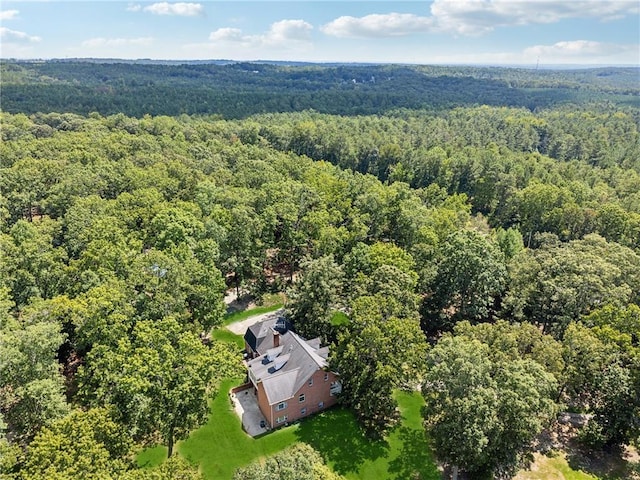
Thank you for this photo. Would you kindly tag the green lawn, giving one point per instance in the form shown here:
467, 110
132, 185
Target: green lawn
339, 318
403, 455
553, 467
223, 335
561, 466
220, 446
152, 456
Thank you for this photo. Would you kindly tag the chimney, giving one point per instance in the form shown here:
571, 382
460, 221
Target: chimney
276, 338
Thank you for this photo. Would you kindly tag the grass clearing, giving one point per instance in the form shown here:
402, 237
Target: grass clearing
151, 457
553, 467
224, 335
404, 453
339, 319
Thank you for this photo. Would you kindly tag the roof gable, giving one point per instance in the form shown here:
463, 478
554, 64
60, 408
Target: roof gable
284, 374
251, 339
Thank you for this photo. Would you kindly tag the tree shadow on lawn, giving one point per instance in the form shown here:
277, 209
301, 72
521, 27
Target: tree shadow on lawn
604, 465
340, 440
410, 462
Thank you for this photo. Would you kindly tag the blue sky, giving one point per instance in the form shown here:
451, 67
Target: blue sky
524, 32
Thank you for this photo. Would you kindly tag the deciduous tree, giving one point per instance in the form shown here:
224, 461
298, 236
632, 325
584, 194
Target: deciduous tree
158, 379
84, 444
314, 296
483, 414
471, 276
31, 385
174, 468
374, 356
559, 283
299, 462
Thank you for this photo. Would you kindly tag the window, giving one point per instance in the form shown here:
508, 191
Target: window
311, 381
281, 406
301, 398
321, 405
335, 388
303, 411
326, 376
281, 419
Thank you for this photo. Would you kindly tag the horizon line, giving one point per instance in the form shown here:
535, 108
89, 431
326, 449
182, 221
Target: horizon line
321, 62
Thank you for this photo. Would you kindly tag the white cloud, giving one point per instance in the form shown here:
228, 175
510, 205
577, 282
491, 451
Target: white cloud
279, 42
101, 42
474, 17
288, 30
180, 9
578, 48
132, 7
9, 14
378, 25
13, 36
227, 35
582, 52
283, 33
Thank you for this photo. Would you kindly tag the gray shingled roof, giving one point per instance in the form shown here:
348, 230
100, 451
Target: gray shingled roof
259, 336
302, 359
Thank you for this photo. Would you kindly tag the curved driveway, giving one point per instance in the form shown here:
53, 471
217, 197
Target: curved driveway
239, 328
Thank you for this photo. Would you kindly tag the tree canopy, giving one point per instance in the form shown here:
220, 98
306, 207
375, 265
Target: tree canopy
475, 231
483, 413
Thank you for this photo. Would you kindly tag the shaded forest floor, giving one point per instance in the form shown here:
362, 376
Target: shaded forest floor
558, 465
565, 458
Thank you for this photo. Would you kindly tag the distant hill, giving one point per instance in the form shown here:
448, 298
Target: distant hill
239, 89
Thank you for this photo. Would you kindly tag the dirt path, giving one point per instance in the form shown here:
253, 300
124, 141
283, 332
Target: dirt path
235, 304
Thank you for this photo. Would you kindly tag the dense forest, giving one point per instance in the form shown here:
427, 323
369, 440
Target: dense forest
237, 90
485, 220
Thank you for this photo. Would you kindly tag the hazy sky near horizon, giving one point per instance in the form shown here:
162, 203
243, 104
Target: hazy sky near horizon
524, 32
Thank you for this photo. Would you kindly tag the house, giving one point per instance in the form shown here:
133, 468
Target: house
290, 375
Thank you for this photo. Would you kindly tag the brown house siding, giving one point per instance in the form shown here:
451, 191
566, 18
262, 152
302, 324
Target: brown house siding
314, 395
263, 404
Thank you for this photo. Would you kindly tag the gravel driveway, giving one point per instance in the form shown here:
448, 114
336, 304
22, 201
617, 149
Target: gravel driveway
239, 328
